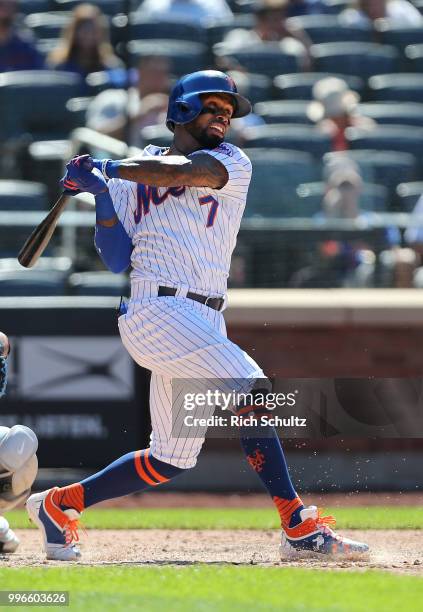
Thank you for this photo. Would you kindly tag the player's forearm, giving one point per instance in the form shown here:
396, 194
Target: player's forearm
111, 240
199, 170
166, 171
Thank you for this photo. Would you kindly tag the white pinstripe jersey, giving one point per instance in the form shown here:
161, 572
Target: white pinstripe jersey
184, 237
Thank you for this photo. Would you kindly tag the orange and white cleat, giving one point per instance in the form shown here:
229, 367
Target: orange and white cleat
313, 536
59, 527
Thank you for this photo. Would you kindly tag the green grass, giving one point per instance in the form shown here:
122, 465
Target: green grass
374, 517
220, 588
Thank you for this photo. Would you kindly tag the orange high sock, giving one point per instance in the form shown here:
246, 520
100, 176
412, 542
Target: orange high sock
286, 507
71, 496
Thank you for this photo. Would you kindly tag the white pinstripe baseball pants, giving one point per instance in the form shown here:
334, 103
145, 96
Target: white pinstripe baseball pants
176, 337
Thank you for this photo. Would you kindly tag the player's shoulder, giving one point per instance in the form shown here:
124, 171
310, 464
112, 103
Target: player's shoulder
153, 150
231, 153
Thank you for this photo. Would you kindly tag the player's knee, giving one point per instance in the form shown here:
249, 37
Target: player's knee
18, 464
181, 458
256, 401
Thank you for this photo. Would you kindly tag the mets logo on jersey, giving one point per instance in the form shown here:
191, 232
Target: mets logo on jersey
147, 195
225, 148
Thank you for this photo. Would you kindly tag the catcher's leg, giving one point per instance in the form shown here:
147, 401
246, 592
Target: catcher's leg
9, 541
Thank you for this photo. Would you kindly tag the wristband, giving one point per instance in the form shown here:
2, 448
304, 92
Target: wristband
110, 168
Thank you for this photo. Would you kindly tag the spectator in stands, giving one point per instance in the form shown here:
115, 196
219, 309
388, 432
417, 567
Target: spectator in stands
146, 104
339, 263
85, 46
270, 26
196, 12
17, 52
400, 13
353, 264
334, 110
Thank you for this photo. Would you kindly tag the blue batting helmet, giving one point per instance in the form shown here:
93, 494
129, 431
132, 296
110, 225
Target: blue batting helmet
185, 103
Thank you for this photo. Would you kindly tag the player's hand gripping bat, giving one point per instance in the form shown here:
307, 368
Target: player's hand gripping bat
37, 242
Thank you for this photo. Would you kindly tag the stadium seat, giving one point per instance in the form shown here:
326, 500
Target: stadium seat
22, 195
145, 29
18, 197
358, 59
275, 179
283, 111
96, 82
98, 283
78, 107
26, 7
374, 198
45, 163
403, 138
44, 264
406, 113
34, 101
288, 136
241, 8
184, 56
157, 135
334, 7
266, 58
399, 37
409, 194
414, 54
404, 87
255, 87
31, 283
381, 167
299, 86
216, 32
329, 28
47, 25
45, 45
108, 7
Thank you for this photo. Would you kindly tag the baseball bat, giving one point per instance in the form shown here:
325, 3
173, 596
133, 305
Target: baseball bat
37, 242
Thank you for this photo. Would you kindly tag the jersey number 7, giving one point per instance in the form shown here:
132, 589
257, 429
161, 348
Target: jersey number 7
213, 208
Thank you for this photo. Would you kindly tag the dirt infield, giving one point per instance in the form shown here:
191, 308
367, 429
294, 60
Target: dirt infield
394, 551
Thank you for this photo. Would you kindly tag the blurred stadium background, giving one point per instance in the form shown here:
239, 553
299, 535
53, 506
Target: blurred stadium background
326, 275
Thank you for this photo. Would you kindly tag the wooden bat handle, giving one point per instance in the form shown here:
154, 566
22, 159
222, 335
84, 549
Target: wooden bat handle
37, 242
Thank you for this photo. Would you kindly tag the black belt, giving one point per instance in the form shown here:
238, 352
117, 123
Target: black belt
211, 302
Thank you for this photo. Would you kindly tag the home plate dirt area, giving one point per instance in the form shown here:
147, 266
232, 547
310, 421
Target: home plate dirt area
397, 551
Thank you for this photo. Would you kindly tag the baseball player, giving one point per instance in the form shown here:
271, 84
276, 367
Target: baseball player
18, 461
173, 216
